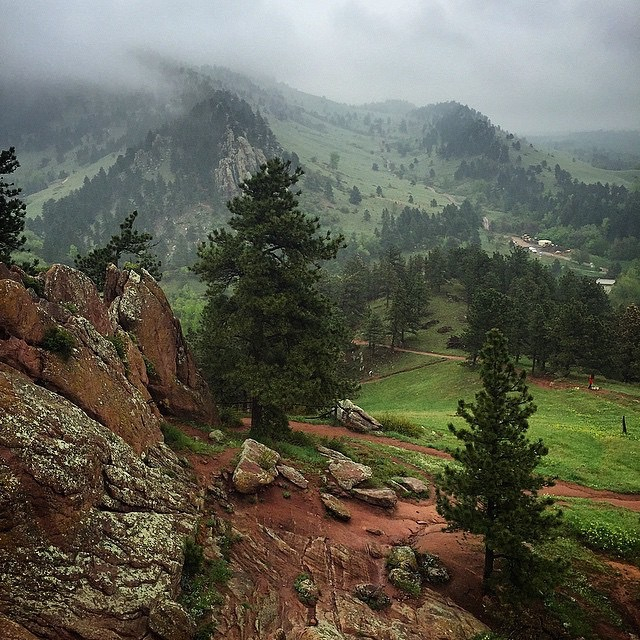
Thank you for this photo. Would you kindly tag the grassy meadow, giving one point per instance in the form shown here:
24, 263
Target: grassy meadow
581, 428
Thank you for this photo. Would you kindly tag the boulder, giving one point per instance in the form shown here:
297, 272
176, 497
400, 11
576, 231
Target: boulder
138, 304
91, 533
413, 485
348, 474
256, 467
385, 498
355, 418
335, 507
293, 476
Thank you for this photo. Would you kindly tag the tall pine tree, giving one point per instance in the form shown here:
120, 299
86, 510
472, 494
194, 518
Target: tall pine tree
493, 492
12, 209
268, 333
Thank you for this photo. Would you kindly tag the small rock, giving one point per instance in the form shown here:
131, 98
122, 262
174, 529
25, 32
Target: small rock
335, 507
292, 475
372, 595
374, 532
408, 581
217, 436
385, 498
374, 551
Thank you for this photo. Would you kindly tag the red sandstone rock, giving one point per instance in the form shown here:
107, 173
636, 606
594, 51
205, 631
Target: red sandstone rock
138, 305
76, 291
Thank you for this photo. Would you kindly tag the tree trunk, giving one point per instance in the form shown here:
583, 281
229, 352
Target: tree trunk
256, 415
489, 557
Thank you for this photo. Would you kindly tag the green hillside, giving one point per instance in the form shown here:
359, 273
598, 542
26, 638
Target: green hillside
580, 427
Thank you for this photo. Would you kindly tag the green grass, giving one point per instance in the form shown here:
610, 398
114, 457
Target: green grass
582, 429
601, 527
180, 441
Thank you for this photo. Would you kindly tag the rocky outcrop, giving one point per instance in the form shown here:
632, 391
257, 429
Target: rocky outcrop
138, 305
355, 418
74, 290
239, 161
91, 375
91, 534
266, 567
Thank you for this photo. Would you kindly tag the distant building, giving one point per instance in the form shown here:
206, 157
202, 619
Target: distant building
606, 283
545, 243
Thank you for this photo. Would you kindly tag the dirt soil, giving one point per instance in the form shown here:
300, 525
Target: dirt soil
415, 522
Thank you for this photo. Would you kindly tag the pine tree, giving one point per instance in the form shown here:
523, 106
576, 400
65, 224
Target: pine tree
129, 242
493, 491
12, 209
268, 333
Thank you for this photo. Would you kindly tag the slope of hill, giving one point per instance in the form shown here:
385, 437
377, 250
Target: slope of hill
363, 163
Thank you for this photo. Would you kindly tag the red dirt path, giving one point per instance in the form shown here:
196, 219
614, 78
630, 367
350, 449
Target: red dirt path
412, 522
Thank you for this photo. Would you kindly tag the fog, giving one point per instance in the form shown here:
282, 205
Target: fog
540, 66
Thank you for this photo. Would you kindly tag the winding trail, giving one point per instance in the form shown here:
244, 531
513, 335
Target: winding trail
629, 501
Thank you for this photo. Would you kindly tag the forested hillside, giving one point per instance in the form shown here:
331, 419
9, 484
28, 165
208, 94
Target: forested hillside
384, 174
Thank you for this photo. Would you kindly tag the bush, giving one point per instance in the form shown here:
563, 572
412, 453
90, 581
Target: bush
230, 417
399, 424
58, 341
118, 345
198, 583
306, 589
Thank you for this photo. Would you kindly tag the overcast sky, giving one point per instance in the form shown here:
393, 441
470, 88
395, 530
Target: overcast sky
532, 66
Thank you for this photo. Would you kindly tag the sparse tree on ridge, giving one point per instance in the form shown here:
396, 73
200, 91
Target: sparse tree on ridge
493, 491
128, 242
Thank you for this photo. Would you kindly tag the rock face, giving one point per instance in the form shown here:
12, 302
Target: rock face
94, 377
139, 306
239, 160
90, 533
263, 560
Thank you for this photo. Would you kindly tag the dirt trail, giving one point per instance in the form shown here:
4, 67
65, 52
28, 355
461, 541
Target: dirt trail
416, 522
561, 488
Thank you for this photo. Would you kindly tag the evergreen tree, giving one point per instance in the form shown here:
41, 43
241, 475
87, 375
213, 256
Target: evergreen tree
12, 209
129, 242
373, 331
494, 490
268, 332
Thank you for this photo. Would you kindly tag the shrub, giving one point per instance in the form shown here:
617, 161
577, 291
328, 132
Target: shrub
399, 424
198, 583
150, 367
306, 589
118, 345
230, 417
58, 341
34, 283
